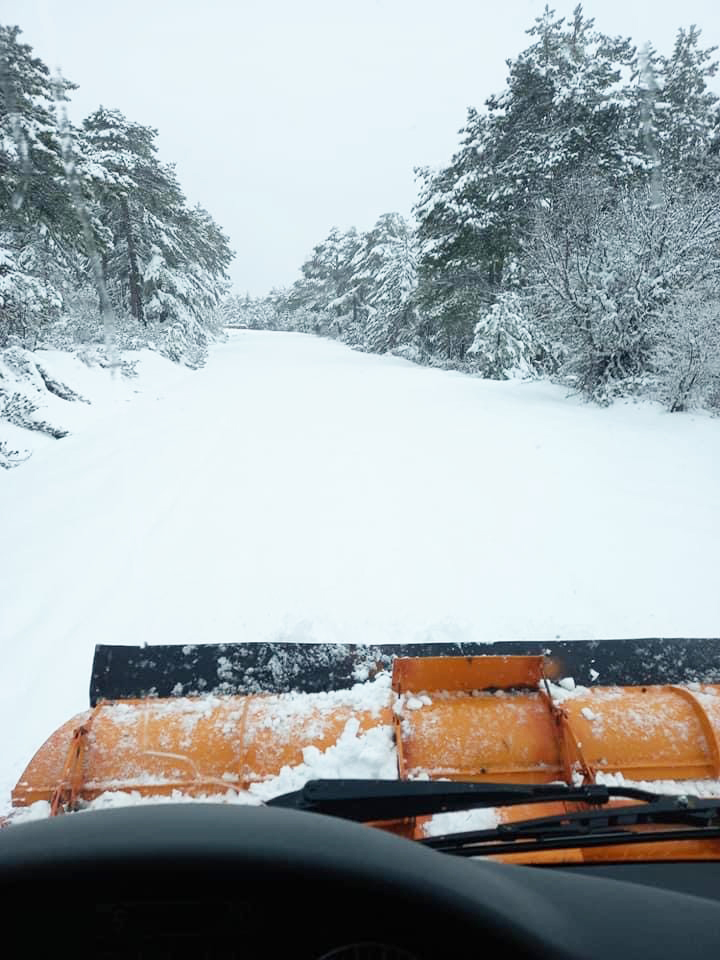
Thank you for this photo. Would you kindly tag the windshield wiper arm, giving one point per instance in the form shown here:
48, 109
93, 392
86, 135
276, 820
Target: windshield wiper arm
371, 800
699, 818
377, 800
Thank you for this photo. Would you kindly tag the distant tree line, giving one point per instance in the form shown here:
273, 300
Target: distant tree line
93, 225
575, 233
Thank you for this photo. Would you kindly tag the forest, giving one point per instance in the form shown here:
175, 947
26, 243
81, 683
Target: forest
96, 236
574, 234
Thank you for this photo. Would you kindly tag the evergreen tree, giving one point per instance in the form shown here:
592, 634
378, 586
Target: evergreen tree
386, 273
138, 198
689, 118
564, 106
504, 345
164, 262
38, 226
328, 288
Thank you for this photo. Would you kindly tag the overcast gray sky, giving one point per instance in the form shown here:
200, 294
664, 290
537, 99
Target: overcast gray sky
288, 117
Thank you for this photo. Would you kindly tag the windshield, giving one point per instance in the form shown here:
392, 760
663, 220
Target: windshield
391, 323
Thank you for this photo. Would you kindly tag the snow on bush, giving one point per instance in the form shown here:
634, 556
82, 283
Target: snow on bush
10, 458
35, 396
629, 284
22, 383
687, 354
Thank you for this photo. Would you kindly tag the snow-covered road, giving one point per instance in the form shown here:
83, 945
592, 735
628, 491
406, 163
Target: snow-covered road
293, 489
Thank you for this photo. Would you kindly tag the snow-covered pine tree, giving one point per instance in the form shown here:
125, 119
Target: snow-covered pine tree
165, 262
328, 290
504, 346
564, 107
689, 111
615, 267
38, 226
385, 271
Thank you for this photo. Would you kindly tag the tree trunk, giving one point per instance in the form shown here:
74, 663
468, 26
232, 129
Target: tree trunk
136, 303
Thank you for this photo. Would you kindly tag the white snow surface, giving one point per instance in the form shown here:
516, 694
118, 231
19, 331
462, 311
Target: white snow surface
695, 788
459, 821
294, 489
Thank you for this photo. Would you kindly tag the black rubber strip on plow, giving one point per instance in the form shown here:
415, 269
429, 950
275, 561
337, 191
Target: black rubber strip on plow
134, 672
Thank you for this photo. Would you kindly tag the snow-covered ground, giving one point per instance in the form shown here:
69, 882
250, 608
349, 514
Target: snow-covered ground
294, 489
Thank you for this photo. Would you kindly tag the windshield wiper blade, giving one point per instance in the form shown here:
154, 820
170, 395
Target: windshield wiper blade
699, 818
371, 800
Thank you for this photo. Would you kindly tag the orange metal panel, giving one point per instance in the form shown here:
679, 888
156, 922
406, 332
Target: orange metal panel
44, 772
646, 733
509, 738
428, 674
704, 719
672, 850
197, 746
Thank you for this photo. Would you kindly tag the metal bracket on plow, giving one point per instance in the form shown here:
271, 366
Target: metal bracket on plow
68, 789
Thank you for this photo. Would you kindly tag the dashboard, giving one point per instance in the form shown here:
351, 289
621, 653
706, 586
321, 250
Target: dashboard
215, 880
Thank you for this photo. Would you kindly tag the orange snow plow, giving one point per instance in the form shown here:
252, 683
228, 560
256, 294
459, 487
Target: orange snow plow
478, 717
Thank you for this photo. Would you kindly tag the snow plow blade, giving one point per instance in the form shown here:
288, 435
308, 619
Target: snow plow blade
222, 719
